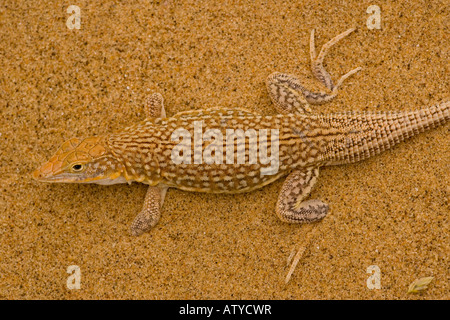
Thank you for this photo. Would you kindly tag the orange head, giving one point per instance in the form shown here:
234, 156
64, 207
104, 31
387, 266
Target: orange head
81, 161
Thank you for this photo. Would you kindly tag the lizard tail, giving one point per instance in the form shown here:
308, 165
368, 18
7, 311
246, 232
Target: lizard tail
373, 133
408, 124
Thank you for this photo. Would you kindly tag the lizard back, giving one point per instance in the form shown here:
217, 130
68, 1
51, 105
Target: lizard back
235, 148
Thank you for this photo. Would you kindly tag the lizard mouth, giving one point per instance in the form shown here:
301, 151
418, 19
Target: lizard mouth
39, 175
63, 177
42, 177
45, 174
47, 171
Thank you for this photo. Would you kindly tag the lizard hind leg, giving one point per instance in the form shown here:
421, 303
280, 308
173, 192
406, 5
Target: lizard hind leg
290, 96
317, 62
290, 205
291, 208
287, 93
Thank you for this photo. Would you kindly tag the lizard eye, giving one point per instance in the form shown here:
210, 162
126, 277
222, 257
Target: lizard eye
77, 167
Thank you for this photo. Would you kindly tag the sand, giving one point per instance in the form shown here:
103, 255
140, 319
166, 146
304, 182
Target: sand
55, 83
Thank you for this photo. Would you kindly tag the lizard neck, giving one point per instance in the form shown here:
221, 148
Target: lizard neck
136, 152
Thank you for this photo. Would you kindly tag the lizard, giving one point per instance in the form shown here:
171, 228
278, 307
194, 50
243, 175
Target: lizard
306, 140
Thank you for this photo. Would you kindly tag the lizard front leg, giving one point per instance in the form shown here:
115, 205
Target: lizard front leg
289, 95
151, 211
154, 107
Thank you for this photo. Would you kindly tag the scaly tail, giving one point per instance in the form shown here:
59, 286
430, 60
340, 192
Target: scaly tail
362, 135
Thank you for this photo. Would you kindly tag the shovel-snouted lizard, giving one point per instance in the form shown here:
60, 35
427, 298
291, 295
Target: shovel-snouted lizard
307, 141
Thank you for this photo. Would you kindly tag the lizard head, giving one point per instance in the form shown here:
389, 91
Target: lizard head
81, 161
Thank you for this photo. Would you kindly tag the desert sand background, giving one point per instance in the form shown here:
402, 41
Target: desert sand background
56, 83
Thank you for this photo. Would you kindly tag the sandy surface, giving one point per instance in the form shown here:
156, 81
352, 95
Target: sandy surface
391, 211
